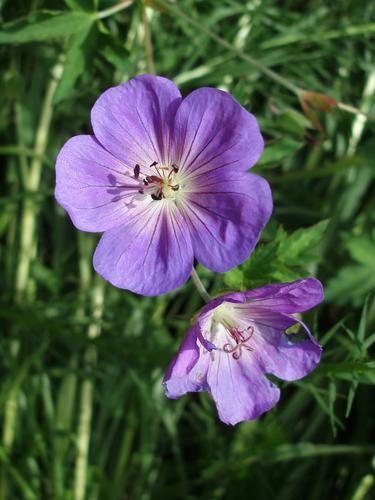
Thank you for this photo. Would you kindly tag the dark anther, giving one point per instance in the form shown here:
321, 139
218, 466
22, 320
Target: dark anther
145, 182
137, 169
140, 191
175, 188
153, 164
174, 168
157, 197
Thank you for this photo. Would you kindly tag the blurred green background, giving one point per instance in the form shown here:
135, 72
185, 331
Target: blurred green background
82, 410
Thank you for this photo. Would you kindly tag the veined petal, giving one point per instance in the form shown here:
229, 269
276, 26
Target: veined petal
187, 372
285, 359
150, 254
213, 131
226, 219
93, 186
133, 120
289, 298
240, 388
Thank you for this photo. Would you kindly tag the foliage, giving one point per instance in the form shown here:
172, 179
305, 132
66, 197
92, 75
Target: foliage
83, 414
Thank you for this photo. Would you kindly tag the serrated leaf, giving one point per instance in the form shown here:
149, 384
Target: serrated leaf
286, 258
300, 247
43, 27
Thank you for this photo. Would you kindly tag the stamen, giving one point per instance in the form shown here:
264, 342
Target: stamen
137, 169
160, 182
240, 342
158, 196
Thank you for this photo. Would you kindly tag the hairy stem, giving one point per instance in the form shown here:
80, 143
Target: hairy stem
199, 286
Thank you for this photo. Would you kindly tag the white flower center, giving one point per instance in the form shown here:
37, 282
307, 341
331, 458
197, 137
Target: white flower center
166, 182
229, 332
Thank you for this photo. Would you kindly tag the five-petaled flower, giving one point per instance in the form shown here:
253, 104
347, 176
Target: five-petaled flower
238, 339
166, 180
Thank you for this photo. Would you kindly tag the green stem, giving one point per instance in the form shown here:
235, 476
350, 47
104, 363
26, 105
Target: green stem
200, 287
87, 391
148, 41
32, 183
113, 10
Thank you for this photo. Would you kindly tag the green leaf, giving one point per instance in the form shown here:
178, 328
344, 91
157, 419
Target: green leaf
282, 149
43, 27
293, 122
116, 54
80, 47
353, 282
80, 5
286, 258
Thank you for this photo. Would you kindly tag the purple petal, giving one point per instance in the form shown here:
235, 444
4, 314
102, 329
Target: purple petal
187, 372
239, 387
92, 185
150, 254
226, 219
132, 120
213, 131
294, 297
283, 358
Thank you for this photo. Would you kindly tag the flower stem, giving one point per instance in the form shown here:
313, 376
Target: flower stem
199, 286
113, 10
148, 41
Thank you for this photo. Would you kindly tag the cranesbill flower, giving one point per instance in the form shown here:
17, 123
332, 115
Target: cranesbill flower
166, 180
237, 340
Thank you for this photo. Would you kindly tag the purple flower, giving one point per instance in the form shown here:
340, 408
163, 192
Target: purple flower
237, 340
166, 180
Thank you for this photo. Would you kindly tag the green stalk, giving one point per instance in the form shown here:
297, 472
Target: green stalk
87, 391
199, 286
68, 388
31, 182
148, 40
